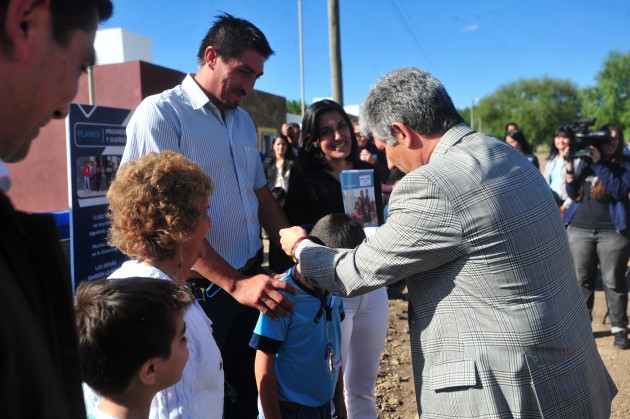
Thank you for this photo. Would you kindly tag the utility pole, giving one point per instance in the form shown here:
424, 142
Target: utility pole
472, 113
335, 51
90, 74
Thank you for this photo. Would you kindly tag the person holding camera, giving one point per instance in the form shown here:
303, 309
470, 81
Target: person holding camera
597, 222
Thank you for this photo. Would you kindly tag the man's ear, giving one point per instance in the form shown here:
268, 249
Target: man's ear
211, 56
147, 374
21, 19
402, 133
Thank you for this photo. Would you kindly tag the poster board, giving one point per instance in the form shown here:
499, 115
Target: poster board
96, 138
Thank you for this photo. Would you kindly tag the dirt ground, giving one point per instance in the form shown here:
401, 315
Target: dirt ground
395, 395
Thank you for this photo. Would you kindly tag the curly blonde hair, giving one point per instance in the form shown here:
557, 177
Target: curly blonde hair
153, 204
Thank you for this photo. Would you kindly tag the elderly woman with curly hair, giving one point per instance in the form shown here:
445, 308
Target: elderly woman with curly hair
158, 208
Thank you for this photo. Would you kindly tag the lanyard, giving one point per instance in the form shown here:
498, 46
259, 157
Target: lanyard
326, 306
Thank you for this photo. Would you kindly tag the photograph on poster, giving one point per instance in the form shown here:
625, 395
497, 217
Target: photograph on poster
95, 173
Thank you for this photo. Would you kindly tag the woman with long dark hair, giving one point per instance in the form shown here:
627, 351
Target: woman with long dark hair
554, 172
598, 226
517, 139
278, 167
328, 145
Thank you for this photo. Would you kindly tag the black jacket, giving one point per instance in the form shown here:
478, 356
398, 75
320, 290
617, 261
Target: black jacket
39, 361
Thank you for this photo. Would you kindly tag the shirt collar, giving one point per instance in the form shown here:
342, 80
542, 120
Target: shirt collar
199, 98
452, 137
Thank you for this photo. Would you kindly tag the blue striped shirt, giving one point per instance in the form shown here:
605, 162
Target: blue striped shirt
183, 119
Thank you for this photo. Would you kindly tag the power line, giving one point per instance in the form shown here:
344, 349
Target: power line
424, 51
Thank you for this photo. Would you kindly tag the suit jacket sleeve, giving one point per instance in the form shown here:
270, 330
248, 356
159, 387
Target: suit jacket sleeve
422, 232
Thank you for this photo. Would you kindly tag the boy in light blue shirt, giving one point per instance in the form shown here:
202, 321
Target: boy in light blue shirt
298, 358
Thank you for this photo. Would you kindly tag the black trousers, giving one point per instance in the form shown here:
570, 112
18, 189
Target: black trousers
232, 327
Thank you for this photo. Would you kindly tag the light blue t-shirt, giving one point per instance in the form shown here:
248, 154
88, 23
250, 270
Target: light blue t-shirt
302, 362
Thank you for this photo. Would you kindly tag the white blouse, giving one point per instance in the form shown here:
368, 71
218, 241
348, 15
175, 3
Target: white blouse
199, 394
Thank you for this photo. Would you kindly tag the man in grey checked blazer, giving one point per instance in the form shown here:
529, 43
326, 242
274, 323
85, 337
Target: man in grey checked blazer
498, 325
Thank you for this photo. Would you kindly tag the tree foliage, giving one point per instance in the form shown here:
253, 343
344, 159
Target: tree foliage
609, 99
538, 106
295, 107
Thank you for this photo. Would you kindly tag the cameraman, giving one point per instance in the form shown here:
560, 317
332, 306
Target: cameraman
598, 232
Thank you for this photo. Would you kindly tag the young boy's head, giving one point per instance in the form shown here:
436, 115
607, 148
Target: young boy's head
131, 329
338, 231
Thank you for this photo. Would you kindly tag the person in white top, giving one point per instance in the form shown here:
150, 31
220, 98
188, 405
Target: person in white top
554, 172
158, 206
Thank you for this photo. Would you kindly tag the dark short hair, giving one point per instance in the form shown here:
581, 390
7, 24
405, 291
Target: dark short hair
70, 15
122, 323
231, 36
310, 156
338, 231
514, 124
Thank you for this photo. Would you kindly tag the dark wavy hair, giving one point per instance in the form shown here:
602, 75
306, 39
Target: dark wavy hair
311, 157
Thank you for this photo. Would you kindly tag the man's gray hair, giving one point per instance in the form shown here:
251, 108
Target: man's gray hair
413, 97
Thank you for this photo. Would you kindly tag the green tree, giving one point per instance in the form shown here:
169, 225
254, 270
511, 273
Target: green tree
465, 113
295, 107
609, 99
538, 106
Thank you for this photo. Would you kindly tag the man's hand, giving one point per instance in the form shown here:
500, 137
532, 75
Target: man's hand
262, 293
288, 237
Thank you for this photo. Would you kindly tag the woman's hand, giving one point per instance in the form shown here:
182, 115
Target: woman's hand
595, 154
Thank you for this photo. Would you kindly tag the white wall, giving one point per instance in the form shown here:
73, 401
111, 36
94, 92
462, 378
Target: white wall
117, 45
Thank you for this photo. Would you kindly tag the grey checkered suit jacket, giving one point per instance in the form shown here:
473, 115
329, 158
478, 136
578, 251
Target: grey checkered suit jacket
498, 325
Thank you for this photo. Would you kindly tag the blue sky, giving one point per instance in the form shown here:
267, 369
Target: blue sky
473, 47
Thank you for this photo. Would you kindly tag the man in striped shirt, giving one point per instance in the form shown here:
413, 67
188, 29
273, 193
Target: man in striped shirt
201, 119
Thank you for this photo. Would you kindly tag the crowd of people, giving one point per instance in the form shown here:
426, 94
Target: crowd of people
592, 191
192, 326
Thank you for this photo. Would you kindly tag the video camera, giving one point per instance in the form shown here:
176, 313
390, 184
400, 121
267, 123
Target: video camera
584, 137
